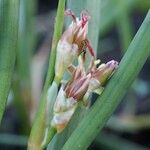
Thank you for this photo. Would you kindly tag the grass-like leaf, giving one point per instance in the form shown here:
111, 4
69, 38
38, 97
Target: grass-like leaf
9, 10
22, 80
125, 30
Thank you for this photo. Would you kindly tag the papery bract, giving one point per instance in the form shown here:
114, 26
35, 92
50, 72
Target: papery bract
72, 42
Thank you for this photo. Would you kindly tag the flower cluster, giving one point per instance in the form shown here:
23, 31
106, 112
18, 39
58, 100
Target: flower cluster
77, 88
83, 82
72, 43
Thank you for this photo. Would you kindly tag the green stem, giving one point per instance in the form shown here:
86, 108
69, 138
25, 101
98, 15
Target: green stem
50, 134
9, 10
57, 34
129, 67
125, 30
22, 80
51, 97
35, 139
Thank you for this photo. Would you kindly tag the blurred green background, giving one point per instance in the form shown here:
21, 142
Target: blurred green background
114, 23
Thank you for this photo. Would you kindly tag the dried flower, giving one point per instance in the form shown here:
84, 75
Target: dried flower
80, 85
99, 77
64, 108
104, 71
73, 42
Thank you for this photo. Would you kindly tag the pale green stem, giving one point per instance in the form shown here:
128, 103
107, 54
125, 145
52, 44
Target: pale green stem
125, 30
35, 139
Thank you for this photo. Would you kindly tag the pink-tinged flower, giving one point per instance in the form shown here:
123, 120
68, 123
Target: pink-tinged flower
68, 97
78, 85
82, 83
78, 29
78, 88
104, 71
99, 76
73, 42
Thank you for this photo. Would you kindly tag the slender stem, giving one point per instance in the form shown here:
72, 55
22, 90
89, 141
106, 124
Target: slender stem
9, 10
35, 139
129, 67
50, 134
57, 34
125, 30
51, 97
22, 80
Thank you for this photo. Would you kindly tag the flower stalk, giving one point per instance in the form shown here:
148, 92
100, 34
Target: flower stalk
35, 139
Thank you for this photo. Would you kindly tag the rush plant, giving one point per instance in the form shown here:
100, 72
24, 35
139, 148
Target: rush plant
67, 117
58, 105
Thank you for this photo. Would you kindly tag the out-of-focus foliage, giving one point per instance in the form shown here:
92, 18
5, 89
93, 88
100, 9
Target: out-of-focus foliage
112, 27
8, 44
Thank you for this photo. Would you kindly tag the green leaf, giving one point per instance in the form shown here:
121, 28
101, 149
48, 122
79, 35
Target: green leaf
125, 30
9, 10
22, 78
